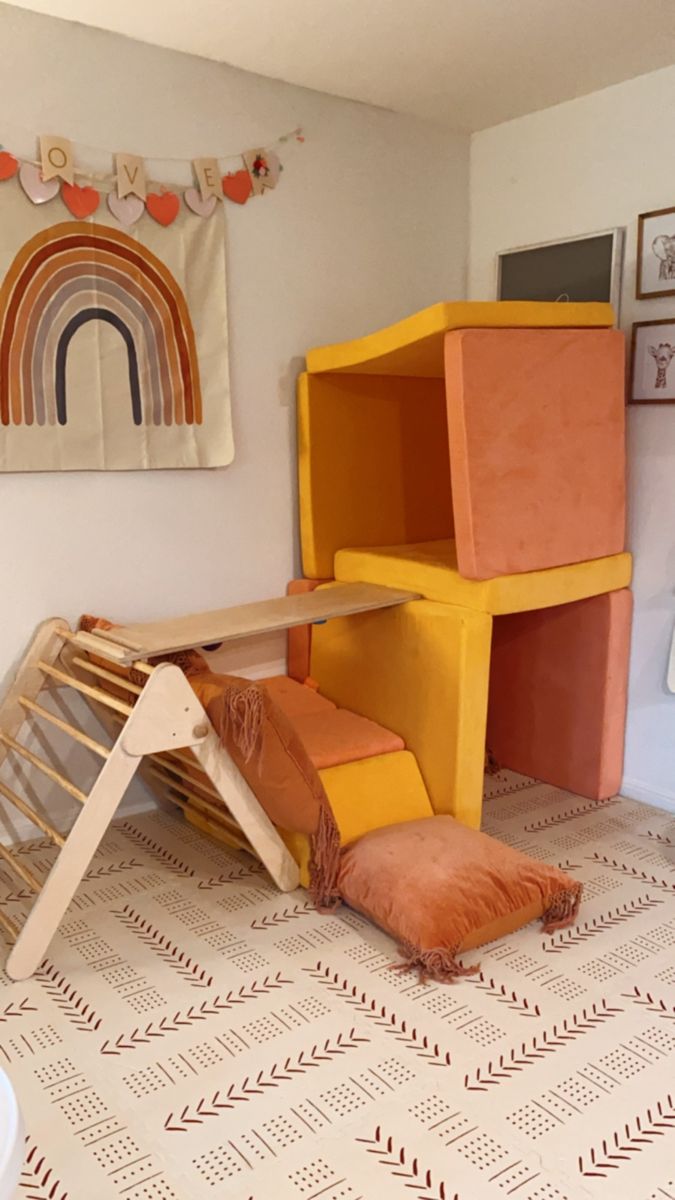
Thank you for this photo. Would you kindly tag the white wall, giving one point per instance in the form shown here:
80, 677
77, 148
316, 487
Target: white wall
587, 165
368, 224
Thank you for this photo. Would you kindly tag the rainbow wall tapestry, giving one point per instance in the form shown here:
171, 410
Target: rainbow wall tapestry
113, 342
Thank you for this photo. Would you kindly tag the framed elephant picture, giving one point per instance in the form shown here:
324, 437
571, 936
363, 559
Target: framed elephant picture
656, 254
653, 369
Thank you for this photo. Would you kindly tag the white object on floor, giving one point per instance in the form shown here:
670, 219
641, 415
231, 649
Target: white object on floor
11, 1140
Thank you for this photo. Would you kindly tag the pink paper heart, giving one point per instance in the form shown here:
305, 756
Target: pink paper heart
127, 209
30, 178
203, 208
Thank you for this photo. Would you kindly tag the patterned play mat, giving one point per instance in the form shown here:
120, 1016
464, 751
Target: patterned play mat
193, 1033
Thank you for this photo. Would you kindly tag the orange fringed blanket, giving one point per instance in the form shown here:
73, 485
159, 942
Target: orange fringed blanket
273, 760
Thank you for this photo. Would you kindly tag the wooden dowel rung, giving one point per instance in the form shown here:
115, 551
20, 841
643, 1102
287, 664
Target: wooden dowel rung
144, 667
72, 732
120, 681
86, 689
95, 645
195, 780
32, 815
18, 868
8, 924
200, 802
232, 831
44, 767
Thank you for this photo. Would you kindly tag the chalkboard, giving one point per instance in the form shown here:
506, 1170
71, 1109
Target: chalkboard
587, 268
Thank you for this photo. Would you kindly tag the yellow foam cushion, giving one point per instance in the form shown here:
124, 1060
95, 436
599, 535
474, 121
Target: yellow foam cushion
373, 464
421, 670
430, 568
373, 792
414, 346
366, 795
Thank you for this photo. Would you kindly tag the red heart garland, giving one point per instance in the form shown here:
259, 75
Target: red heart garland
8, 165
237, 186
81, 201
163, 206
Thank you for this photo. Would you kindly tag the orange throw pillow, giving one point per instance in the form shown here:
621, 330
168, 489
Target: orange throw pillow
440, 888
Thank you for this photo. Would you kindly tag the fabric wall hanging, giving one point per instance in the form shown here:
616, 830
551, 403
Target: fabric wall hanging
113, 336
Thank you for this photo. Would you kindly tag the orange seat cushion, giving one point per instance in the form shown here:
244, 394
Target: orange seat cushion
439, 888
341, 736
296, 699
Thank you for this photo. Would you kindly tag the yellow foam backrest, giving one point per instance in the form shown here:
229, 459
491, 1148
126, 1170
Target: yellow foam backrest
368, 794
421, 670
373, 464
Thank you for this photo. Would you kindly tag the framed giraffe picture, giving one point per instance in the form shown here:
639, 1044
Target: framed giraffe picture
653, 369
656, 254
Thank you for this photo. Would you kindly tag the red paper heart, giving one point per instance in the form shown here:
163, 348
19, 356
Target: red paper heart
8, 165
163, 206
82, 201
237, 186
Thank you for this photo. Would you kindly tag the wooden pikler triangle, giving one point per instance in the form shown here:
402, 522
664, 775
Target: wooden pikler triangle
159, 728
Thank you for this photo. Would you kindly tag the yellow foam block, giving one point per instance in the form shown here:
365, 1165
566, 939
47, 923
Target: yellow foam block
373, 464
421, 670
414, 346
374, 792
430, 568
365, 795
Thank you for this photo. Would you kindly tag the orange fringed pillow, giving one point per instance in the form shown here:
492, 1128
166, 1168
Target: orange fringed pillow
440, 888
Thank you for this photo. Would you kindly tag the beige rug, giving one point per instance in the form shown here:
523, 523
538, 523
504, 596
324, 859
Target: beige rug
195, 1034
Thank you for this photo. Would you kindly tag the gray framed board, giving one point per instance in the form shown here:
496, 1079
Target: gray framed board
579, 268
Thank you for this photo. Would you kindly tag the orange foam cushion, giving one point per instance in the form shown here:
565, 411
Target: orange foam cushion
296, 699
536, 427
299, 638
341, 736
558, 686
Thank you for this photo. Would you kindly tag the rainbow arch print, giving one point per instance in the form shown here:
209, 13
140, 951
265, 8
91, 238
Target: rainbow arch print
74, 273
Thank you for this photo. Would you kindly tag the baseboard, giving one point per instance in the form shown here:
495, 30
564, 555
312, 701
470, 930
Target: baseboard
635, 790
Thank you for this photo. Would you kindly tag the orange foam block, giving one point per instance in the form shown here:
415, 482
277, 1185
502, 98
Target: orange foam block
299, 638
536, 433
558, 683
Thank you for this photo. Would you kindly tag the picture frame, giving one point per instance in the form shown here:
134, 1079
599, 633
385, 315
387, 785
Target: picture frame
655, 275
652, 378
584, 267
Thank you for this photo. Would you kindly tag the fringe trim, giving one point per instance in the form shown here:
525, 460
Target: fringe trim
563, 909
324, 862
244, 715
491, 766
440, 963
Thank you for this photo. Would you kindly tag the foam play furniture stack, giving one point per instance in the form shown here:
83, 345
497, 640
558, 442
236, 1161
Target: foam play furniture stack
462, 521
475, 454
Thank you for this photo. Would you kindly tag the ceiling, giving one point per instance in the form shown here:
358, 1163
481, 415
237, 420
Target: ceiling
467, 64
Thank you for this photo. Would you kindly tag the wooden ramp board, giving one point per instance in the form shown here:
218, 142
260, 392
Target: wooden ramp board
246, 620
